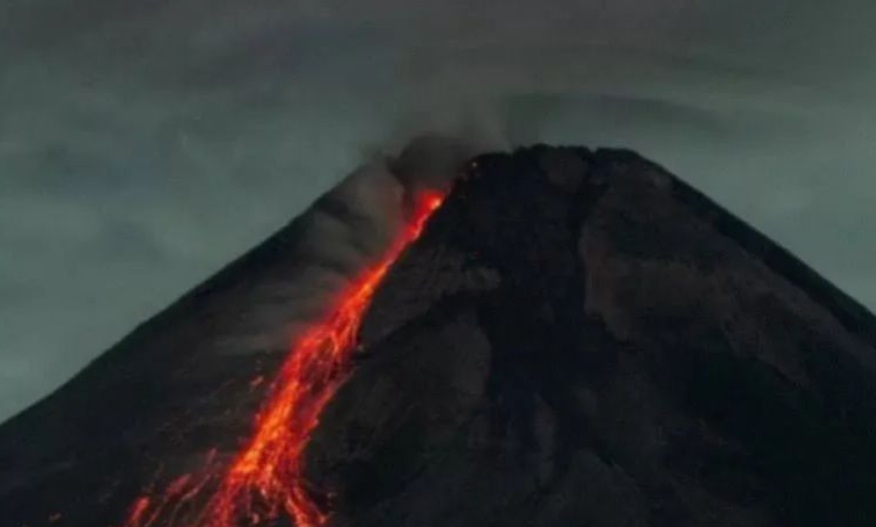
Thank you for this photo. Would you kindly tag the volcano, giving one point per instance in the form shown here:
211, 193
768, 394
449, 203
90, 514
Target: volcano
561, 337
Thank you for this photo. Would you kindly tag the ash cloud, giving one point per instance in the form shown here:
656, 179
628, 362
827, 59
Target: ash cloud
366, 211
354, 224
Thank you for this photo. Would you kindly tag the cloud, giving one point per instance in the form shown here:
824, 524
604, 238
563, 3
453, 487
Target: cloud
144, 146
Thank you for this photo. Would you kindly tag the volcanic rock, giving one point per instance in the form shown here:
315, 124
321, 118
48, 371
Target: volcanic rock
577, 338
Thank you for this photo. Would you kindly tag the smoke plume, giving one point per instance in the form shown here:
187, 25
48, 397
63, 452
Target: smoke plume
353, 225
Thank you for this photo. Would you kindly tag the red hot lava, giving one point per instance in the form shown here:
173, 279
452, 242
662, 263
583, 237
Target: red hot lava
266, 478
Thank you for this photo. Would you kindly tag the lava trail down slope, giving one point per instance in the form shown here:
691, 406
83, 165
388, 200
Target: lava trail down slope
576, 338
265, 479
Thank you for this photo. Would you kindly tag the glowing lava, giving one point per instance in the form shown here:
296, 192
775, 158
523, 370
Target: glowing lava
266, 479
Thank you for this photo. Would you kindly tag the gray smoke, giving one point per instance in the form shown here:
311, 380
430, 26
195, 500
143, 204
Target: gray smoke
354, 224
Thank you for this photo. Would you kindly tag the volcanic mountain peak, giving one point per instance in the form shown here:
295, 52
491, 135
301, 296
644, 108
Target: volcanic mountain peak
576, 338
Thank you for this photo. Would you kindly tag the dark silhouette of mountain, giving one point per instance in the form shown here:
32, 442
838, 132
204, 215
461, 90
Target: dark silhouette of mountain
577, 338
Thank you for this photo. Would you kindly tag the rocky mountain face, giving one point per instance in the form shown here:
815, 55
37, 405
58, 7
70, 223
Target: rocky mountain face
578, 338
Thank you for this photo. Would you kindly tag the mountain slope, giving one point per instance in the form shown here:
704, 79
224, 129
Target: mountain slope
582, 339
578, 338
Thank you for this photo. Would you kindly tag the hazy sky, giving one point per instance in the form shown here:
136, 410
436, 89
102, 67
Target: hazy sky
145, 144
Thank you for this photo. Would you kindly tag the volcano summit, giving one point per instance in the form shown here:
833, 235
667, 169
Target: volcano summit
560, 337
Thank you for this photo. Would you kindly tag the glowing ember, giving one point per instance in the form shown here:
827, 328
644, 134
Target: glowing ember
266, 478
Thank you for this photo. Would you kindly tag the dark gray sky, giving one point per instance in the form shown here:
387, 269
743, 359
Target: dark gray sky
145, 144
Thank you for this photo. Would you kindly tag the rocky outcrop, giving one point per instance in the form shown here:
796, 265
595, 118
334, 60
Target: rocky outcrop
578, 338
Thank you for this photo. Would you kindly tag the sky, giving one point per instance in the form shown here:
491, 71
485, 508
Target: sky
143, 145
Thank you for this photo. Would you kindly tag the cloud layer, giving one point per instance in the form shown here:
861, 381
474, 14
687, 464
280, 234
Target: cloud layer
143, 146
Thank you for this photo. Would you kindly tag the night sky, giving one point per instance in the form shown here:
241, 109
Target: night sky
145, 144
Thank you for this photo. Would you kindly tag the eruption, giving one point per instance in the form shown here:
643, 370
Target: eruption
265, 480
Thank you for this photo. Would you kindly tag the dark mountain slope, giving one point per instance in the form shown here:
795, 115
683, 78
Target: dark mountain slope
578, 338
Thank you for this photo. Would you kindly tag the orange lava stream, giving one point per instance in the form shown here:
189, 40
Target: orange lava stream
266, 479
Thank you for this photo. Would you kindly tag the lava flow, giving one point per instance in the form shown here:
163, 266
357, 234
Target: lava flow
266, 480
